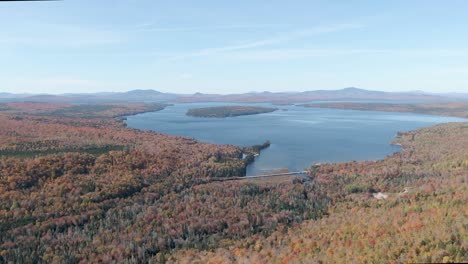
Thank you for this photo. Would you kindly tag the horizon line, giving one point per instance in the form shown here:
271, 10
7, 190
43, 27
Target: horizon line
239, 93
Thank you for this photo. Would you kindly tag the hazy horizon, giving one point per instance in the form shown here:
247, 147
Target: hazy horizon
89, 46
227, 93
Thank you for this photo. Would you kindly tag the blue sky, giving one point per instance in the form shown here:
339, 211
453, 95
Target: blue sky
233, 46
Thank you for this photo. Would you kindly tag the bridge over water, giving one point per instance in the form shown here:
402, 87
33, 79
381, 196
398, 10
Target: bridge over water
262, 176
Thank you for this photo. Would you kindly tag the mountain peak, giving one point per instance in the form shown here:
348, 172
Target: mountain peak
143, 92
354, 89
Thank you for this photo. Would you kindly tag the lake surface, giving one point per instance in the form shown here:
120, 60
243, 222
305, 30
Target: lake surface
299, 136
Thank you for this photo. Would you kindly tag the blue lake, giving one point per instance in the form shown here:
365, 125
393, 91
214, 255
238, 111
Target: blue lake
299, 136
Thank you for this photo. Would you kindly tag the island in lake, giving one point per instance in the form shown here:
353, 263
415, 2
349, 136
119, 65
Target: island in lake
74, 180
228, 111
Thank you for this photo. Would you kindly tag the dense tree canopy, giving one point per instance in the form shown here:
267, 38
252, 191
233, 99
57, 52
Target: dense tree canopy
77, 186
422, 220
229, 111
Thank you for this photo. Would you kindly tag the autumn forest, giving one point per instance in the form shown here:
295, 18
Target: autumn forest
77, 186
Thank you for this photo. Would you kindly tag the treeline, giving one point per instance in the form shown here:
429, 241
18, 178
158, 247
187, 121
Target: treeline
255, 149
152, 199
459, 109
135, 204
86, 111
423, 220
145, 196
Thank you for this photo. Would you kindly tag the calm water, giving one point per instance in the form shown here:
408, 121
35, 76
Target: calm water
300, 136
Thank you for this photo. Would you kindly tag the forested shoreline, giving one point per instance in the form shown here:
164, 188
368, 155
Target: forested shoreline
146, 196
458, 109
144, 200
421, 220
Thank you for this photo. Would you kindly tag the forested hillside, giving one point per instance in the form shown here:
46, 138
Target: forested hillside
78, 186
422, 220
78, 189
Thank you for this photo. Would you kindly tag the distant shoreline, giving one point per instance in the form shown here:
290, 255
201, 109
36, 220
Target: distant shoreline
454, 109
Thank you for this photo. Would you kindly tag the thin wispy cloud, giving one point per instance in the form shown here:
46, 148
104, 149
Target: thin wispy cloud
277, 39
455, 70
289, 54
186, 76
153, 27
248, 52
65, 81
63, 84
59, 35
442, 52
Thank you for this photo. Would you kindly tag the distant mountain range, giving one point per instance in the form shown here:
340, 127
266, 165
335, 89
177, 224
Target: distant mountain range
350, 93
11, 95
130, 96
